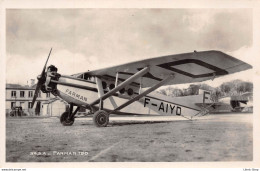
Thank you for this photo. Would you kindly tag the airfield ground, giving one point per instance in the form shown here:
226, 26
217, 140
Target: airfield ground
131, 139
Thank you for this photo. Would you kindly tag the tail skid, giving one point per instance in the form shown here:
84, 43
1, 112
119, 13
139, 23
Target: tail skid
204, 111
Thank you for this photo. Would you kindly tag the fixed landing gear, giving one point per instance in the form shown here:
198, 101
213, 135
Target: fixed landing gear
68, 117
65, 120
101, 118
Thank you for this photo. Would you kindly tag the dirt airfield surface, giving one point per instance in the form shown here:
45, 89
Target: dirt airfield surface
225, 137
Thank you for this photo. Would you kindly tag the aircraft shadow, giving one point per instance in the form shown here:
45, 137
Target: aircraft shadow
124, 123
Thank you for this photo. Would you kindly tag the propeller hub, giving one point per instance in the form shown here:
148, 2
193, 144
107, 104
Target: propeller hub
41, 79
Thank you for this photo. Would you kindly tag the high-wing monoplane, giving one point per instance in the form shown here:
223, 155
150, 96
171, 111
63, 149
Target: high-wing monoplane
99, 90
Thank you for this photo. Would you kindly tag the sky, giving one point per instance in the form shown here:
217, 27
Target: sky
88, 39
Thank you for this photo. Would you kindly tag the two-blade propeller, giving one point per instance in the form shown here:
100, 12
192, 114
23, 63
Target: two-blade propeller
41, 79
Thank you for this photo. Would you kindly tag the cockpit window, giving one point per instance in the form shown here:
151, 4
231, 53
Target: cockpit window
86, 77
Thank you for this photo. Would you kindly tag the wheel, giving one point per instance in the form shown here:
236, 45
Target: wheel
101, 118
65, 121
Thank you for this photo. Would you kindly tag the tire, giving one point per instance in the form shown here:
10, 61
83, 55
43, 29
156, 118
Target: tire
101, 118
65, 121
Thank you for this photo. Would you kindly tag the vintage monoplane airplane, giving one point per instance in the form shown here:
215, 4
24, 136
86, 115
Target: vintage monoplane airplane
134, 82
235, 103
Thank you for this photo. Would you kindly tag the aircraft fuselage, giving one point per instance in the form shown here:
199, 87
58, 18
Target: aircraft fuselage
159, 104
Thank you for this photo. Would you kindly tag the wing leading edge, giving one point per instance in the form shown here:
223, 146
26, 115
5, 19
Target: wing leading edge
187, 68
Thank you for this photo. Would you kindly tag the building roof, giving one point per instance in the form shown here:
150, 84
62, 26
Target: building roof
52, 100
34, 86
19, 87
248, 96
239, 98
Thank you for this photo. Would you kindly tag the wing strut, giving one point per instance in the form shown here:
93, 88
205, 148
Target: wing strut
101, 117
101, 92
143, 93
121, 85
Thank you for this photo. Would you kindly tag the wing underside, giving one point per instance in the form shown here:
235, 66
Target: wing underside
187, 68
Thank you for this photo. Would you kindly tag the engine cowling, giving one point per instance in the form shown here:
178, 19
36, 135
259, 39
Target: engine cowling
51, 74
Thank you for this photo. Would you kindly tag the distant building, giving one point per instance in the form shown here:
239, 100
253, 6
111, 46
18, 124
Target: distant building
46, 103
54, 107
18, 95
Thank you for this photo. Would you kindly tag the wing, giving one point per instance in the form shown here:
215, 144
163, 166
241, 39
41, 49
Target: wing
187, 68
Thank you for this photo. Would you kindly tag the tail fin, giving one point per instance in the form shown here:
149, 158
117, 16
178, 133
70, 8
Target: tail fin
205, 105
205, 96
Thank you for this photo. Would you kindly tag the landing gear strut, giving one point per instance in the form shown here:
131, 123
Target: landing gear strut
101, 118
68, 117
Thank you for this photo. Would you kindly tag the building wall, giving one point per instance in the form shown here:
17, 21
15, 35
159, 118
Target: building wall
57, 107
54, 108
24, 101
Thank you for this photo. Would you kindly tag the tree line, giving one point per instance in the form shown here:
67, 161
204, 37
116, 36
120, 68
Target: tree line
231, 88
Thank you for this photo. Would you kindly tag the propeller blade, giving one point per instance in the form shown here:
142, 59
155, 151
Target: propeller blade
43, 71
40, 81
36, 92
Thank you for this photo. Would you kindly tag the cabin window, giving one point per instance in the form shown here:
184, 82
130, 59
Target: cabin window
30, 93
21, 93
13, 93
87, 77
80, 76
